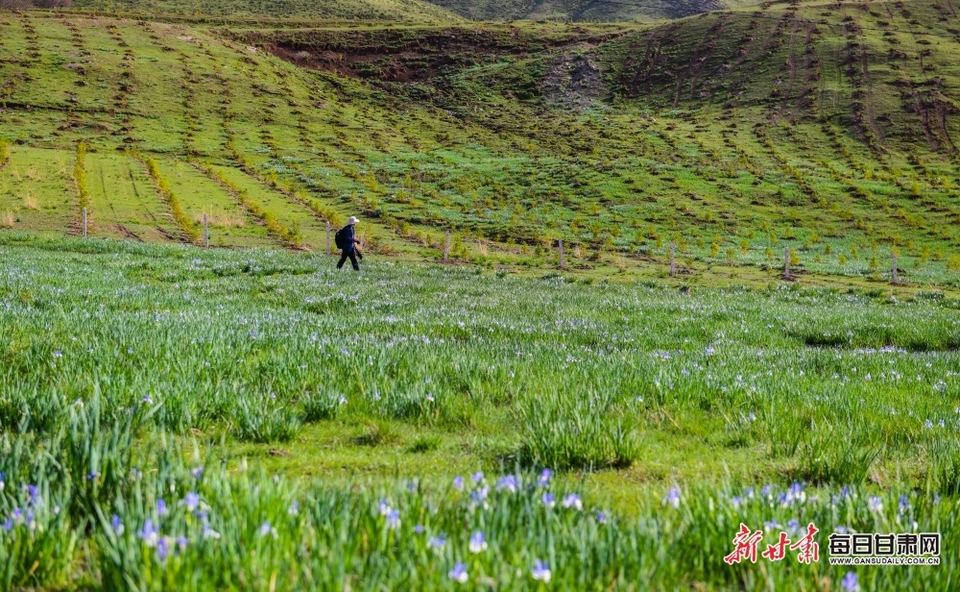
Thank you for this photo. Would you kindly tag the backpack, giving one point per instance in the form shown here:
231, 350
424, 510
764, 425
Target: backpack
339, 239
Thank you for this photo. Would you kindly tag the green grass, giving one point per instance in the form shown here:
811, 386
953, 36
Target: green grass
37, 188
388, 10
583, 10
732, 179
278, 362
735, 136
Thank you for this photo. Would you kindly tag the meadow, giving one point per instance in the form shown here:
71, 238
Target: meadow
733, 135
255, 420
475, 414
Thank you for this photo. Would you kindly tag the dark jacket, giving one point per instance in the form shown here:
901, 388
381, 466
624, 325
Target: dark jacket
349, 238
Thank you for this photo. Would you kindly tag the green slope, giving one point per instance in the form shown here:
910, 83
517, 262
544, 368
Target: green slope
619, 142
581, 10
393, 10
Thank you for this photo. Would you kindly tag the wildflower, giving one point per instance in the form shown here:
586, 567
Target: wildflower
117, 524
29, 520
163, 549
197, 472
191, 501
672, 497
1, 482
480, 494
478, 477
794, 494
33, 492
458, 483
342, 400
541, 572
850, 582
8, 524
928, 424
770, 525
209, 533
793, 524
267, 529
161, 507
148, 535
904, 503
572, 500
766, 490
430, 398
544, 479
384, 507
841, 529
57, 353
601, 517
549, 500
438, 542
942, 423
294, 509
752, 417
736, 501
508, 482
182, 543
393, 519
459, 573
478, 543
146, 400
709, 351
875, 504
418, 529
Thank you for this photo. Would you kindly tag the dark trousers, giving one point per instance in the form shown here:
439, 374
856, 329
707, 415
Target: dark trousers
352, 254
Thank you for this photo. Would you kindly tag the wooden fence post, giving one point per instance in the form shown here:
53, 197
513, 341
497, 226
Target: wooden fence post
84, 222
673, 266
446, 247
206, 232
562, 263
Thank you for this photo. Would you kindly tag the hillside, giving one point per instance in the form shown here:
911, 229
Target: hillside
418, 11
733, 135
585, 10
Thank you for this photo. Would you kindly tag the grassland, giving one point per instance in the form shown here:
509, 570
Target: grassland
126, 367
734, 136
584, 10
416, 11
245, 417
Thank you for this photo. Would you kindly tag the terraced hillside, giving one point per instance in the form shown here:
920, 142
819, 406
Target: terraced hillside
388, 10
582, 10
828, 131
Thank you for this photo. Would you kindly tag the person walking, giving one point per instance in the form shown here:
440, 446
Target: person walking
347, 241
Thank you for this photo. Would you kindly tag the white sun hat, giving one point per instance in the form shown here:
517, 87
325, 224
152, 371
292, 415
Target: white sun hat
352, 220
